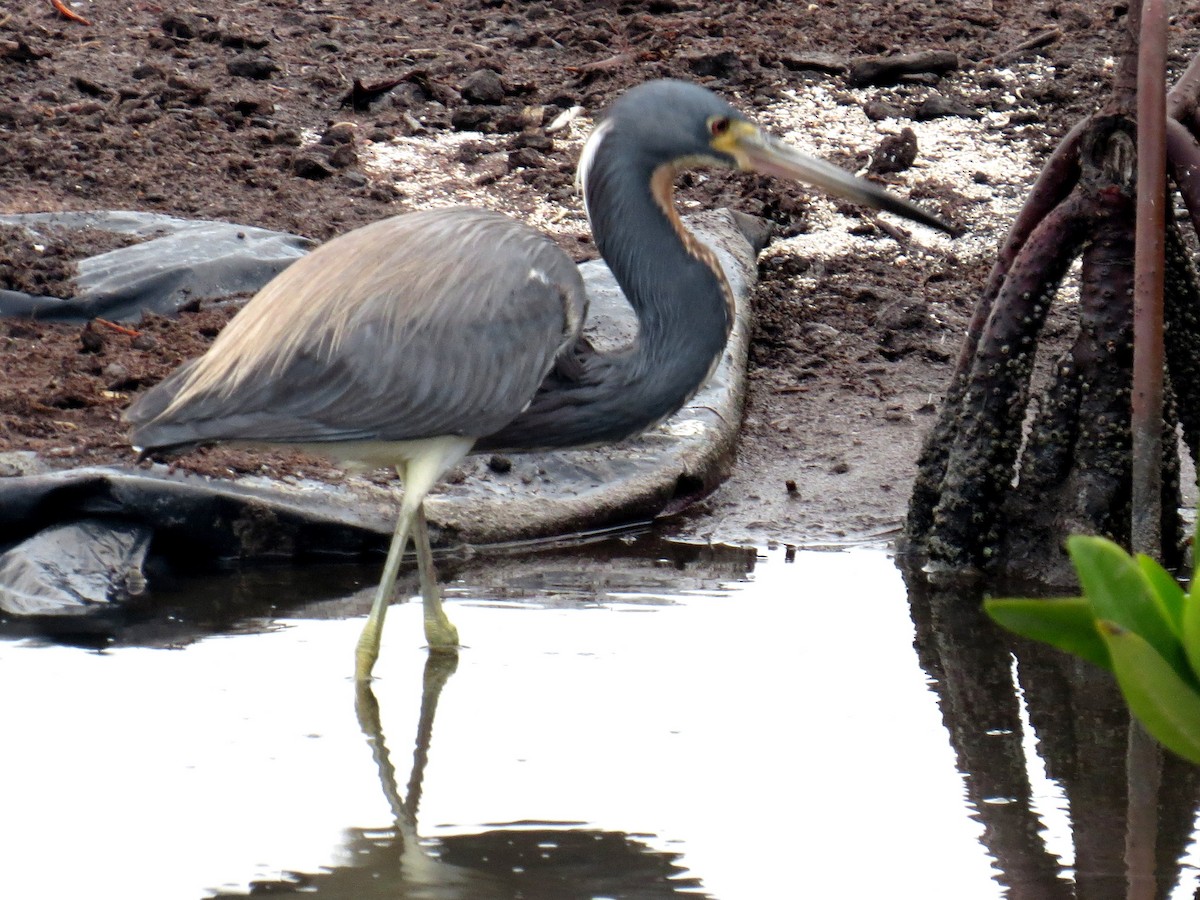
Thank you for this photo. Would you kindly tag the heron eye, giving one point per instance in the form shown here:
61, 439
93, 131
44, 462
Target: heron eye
718, 125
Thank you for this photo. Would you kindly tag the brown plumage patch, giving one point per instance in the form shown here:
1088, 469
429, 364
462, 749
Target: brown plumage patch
662, 188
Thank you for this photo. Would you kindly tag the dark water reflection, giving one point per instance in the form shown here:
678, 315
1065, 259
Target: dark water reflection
982, 676
191, 604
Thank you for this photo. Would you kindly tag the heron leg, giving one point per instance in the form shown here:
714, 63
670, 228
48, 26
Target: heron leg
439, 630
420, 467
367, 650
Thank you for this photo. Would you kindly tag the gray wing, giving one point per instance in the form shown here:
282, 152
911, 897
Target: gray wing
426, 324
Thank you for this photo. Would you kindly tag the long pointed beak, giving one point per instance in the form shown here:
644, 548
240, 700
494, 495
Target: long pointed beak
759, 152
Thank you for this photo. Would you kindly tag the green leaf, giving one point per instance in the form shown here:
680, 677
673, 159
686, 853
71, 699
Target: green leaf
1065, 622
1161, 700
1165, 590
1191, 628
1119, 592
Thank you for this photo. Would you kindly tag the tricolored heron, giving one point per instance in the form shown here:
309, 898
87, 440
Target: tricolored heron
413, 340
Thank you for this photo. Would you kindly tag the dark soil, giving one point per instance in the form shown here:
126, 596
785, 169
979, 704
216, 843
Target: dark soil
200, 111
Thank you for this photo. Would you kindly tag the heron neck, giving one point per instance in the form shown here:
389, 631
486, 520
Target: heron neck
684, 309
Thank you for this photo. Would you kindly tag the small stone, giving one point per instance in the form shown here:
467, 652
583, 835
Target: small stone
254, 106
535, 140
469, 118
343, 156
258, 68
184, 26
90, 88
90, 340
879, 110
311, 166
526, 158
341, 133
490, 168
895, 153
815, 62
722, 64
240, 40
937, 106
483, 86
146, 70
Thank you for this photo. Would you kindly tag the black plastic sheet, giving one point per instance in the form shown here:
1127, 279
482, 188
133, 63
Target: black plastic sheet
180, 261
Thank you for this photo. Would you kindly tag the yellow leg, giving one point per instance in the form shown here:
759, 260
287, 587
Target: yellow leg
439, 630
422, 464
367, 650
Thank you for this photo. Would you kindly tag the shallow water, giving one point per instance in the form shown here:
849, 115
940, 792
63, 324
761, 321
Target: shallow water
629, 719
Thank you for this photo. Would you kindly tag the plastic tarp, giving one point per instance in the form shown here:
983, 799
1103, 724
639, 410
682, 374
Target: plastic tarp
178, 262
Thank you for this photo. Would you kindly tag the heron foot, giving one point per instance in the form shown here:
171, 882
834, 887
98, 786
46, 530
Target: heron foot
441, 633
365, 654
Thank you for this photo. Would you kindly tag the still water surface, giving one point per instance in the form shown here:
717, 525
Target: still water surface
630, 719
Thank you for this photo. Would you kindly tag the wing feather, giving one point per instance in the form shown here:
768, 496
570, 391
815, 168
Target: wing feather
426, 324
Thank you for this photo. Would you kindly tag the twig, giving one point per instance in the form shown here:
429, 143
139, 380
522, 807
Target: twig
899, 235
602, 65
120, 329
67, 13
1038, 40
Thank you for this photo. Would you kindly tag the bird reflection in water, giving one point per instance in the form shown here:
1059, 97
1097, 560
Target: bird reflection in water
531, 859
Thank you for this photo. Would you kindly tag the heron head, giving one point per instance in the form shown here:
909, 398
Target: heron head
668, 122
672, 122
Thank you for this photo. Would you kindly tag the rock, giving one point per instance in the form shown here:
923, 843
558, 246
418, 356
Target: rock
146, 70
722, 64
483, 86
341, 133
343, 155
937, 106
814, 62
182, 26
526, 158
253, 106
259, 68
536, 140
470, 118
90, 340
489, 168
895, 153
90, 88
311, 166
21, 52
